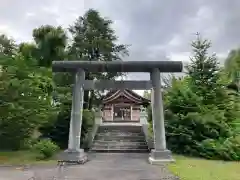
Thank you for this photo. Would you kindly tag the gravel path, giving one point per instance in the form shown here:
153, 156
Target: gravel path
100, 167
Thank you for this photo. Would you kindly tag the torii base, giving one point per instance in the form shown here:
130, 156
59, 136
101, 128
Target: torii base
73, 156
158, 157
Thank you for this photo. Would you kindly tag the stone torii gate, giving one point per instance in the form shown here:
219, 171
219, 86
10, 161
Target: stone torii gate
160, 153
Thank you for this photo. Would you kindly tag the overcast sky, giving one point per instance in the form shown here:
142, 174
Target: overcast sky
155, 29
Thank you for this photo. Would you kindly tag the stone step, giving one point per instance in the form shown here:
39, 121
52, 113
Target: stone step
120, 128
125, 143
120, 139
119, 146
121, 134
120, 150
125, 139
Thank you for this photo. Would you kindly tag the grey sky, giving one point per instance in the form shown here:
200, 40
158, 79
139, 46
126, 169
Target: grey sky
155, 29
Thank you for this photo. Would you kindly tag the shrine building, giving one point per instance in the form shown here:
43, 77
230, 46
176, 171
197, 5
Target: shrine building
122, 106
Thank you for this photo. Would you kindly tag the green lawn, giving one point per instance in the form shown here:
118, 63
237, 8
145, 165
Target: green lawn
20, 157
199, 169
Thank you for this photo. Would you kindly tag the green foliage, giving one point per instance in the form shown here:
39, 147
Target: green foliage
204, 71
24, 98
149, 113
223, 148
185, 133
28, 50
181, 99
58, 131
95, 40
45, 149
28, 143
232, 64
29, 100
7, 46
50, 44
201, 114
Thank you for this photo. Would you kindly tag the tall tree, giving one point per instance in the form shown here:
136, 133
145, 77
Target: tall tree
95, 40
28, 50
232, 66
7, 45
24, 100
51, 43
204, 70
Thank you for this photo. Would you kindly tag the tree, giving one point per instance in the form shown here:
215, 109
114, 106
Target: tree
7, 45
51, 43
28, 50
95, 40
25, 103
232, 67
204, 71
147, 94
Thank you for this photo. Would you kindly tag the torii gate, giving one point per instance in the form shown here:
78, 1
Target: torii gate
160, 153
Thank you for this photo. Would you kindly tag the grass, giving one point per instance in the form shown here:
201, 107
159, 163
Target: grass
200, 169
20, 158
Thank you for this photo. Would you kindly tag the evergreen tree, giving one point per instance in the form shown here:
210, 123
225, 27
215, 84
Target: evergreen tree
204, 71
95, 40
50, 44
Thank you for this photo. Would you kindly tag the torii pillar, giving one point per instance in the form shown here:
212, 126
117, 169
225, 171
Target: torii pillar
160, 153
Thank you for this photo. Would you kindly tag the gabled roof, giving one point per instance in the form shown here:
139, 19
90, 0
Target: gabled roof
131, 95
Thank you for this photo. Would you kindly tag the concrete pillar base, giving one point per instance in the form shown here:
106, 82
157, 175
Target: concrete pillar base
73, 156
160, 157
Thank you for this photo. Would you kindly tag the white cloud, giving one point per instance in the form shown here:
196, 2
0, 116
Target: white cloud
151, 27
183, 56
30, 14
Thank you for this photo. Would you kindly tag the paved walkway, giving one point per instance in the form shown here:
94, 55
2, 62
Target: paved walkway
100, 167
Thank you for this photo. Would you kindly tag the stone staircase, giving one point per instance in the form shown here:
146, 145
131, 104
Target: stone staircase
119, 139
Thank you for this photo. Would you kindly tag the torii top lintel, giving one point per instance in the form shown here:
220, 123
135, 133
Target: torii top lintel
117, 66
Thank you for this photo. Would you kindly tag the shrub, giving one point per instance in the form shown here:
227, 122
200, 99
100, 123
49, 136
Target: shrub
87, 122
184, 133
224, 149
58, 131
45, 149
21, 108
201, 134
29, 143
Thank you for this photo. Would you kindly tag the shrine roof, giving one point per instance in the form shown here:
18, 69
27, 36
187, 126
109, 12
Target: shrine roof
129, 94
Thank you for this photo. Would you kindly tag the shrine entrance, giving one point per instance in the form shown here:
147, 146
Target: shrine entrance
160, 153
121, 112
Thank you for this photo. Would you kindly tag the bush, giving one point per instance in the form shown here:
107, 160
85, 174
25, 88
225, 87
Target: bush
58, 131
184, 133
45, 148
29, 143
203, 130
21, 108
224, 149
87, 122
